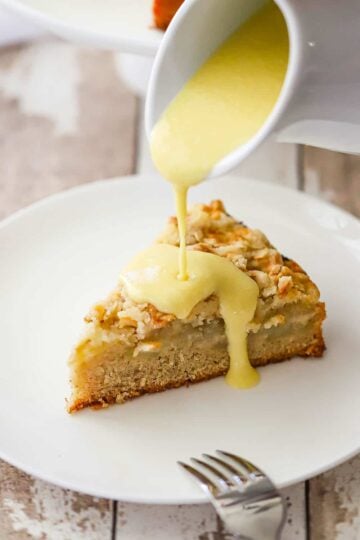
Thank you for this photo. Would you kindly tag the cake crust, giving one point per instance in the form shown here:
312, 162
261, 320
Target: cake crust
315, 350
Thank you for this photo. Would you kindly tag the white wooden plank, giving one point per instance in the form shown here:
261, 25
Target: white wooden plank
334, 177
59, 131
271, 162
196, 522
295, 526
334, 503
140, 522
31, 509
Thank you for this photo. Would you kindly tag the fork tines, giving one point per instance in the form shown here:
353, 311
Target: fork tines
243, 496
221, 473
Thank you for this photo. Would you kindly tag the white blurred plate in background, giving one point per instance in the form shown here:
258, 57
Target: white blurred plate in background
123, 25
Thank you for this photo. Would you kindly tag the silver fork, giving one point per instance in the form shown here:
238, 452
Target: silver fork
244, 496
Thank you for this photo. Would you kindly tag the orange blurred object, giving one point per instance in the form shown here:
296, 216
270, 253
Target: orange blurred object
164, 10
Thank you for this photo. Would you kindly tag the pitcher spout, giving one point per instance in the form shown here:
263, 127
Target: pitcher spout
329, 134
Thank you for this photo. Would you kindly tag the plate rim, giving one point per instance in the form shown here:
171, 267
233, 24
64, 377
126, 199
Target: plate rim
95, 184
200, 498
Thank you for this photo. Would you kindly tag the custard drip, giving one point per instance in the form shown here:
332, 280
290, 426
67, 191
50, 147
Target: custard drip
152, 277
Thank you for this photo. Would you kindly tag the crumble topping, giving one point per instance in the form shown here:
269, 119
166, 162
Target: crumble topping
210, 229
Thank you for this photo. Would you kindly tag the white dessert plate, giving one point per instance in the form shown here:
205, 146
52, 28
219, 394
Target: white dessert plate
124, 25
61, 255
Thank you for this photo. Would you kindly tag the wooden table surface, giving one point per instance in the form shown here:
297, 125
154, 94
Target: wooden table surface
67, 118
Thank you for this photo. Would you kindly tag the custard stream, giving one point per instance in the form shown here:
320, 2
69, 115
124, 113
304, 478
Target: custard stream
220, 108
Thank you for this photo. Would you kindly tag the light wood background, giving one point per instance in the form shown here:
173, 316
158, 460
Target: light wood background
67, 118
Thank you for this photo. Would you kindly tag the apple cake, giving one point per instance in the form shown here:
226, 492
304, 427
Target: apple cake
130, 349
163, 11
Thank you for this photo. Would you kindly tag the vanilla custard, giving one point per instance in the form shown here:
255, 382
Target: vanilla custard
220, 108
152, 277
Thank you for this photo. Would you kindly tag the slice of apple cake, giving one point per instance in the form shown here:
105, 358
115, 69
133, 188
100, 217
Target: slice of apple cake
131, 349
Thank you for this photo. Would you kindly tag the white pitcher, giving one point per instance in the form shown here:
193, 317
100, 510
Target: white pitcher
319, 103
